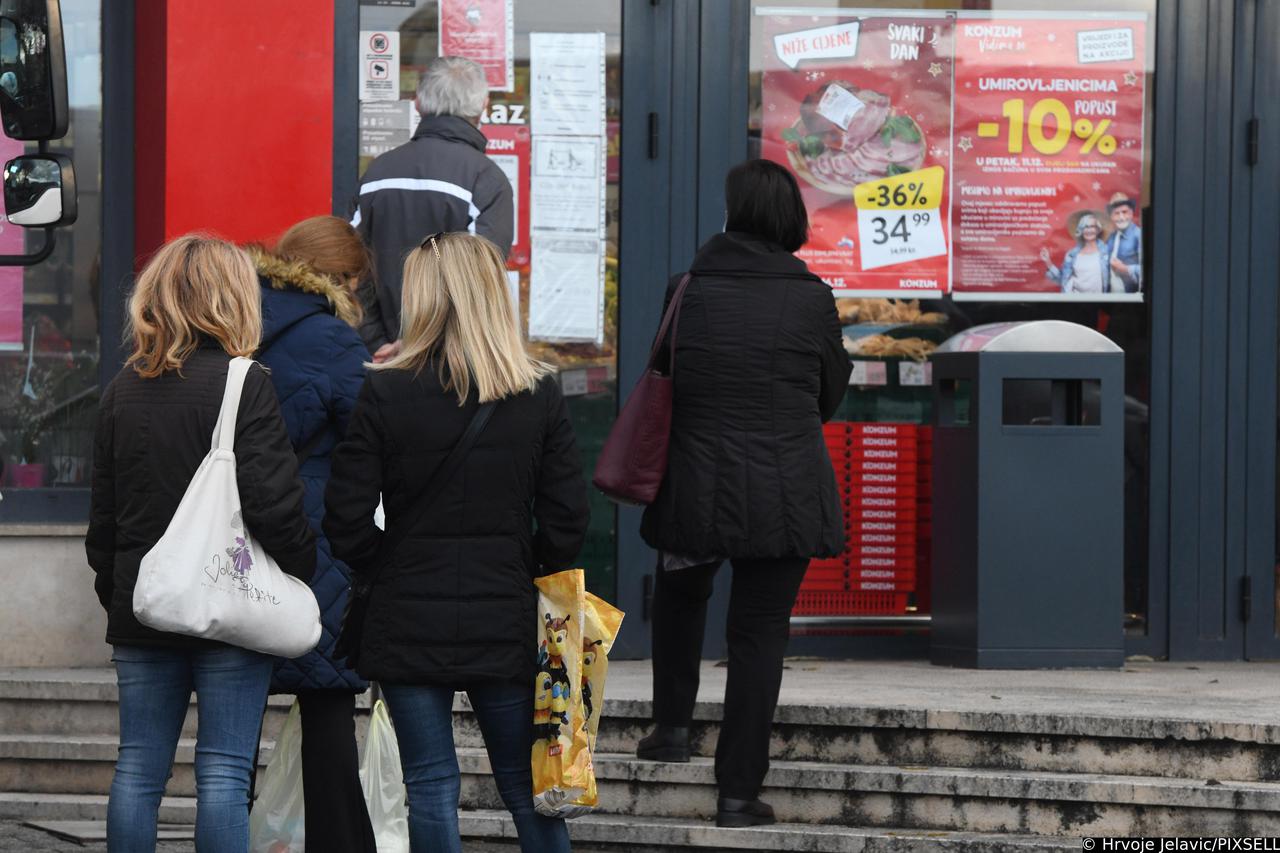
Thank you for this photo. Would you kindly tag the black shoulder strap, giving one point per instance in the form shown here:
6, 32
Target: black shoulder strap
439, 477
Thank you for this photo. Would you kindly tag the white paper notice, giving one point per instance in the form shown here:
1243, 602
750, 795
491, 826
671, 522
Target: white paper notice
513, 289
379, 65
567, 72
566, 290
568, 184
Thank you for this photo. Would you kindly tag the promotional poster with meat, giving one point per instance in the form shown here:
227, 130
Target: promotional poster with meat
1048, 157
857, 100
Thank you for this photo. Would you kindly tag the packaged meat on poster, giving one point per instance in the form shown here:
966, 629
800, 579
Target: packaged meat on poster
863, 101
1049, 120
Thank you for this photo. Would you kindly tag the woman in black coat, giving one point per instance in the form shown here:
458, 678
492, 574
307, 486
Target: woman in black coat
759, 366
453, 605
195, 305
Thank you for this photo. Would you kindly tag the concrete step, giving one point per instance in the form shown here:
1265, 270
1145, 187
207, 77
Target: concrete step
77, 702
612, 832
1063, 743
80, 807
80, 701
84, 764
930, 798
916, 797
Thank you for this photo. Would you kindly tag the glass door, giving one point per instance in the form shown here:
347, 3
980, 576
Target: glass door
948, 153
553, 125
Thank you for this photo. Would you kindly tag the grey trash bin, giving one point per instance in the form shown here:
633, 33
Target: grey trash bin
1028, 500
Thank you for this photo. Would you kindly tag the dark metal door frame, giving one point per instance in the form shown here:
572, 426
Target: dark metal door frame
1260, 27
684, 121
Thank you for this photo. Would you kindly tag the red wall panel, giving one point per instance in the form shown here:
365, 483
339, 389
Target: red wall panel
236, 105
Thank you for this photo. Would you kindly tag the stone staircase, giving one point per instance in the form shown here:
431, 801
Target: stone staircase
845, 777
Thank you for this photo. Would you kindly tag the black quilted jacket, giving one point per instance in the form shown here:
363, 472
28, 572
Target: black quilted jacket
455, 604
760, 366
317, 368
152, 435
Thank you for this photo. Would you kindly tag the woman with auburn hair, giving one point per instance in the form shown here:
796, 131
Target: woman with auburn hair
316, 360
194, 307
452, 602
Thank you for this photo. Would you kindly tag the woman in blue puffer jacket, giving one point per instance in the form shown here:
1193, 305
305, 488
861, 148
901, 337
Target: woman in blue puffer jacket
316, 359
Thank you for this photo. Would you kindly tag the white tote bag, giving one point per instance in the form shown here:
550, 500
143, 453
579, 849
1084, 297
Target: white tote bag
207, 576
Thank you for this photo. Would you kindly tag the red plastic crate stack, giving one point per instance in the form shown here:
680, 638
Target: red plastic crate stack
924, 528
877, 471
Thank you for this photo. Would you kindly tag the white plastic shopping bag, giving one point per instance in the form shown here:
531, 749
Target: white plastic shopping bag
208, 577
276, 823
383, 783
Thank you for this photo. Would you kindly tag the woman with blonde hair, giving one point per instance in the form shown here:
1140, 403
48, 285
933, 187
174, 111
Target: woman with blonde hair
194, 307
316, 360
475, 509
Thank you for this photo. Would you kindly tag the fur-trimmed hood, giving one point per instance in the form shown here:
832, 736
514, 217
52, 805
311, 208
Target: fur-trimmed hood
284, 274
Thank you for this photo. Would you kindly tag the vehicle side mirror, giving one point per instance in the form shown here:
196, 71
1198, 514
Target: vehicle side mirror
40, 191
33, 70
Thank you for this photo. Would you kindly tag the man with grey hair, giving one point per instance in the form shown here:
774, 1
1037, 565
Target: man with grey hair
439, 181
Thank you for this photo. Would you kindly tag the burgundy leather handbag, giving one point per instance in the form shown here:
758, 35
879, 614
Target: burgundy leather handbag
634, 459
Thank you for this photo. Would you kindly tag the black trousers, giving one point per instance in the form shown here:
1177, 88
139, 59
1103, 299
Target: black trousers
763, 593
336, 817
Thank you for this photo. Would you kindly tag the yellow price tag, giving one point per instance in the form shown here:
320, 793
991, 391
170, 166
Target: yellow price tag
898, 218
919, 190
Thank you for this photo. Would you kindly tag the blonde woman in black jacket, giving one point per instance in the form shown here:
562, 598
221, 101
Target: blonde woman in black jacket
453, 605
195, 305
760, 366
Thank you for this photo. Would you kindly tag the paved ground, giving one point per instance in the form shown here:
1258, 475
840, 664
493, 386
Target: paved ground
1242, 692
1220, 692
16, 838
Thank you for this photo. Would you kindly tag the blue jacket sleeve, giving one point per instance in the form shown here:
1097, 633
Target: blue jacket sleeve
346, 375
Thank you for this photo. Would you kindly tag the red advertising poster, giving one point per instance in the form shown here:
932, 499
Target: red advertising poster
863, 102
1048, 156
12, 242
482, 31
508, 146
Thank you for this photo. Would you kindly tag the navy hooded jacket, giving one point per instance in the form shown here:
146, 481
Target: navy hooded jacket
316, 361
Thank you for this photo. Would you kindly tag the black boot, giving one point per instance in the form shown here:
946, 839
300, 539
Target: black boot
665, 743
731, 812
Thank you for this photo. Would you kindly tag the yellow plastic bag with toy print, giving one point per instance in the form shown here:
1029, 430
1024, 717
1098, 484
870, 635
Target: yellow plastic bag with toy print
558, 713
601, 628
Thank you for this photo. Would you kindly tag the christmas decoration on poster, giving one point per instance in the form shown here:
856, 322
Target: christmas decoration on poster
484, 32
1048, 156
858, 107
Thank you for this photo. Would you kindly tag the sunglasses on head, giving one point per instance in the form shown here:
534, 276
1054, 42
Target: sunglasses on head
431, 238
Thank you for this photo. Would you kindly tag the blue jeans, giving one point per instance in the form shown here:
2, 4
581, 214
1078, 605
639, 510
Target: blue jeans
155, 691
423, 718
